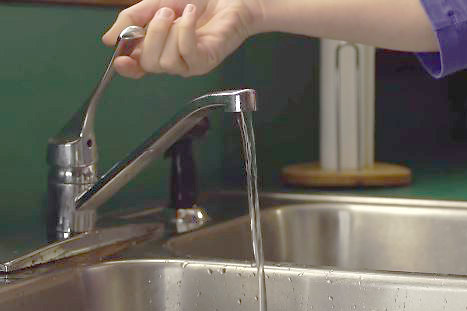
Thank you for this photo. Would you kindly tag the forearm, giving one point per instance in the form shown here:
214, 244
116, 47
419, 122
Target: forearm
395, 24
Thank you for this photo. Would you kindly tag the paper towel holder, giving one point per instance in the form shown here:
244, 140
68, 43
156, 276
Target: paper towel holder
367, 172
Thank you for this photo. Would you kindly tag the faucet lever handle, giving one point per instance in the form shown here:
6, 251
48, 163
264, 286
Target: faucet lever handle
74, 145
127, 41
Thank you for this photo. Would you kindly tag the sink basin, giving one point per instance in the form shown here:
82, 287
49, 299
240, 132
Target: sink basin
176, 285
349, 233
323, 253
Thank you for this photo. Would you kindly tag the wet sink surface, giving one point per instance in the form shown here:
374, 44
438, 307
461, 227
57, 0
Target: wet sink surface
360, 234
336, 247
156, 285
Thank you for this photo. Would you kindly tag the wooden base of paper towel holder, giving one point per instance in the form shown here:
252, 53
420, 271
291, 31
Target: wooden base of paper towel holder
312, 175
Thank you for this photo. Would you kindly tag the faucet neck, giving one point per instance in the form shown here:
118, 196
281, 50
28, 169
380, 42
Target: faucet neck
156, 145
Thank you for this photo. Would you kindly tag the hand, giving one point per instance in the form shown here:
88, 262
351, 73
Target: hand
183, 38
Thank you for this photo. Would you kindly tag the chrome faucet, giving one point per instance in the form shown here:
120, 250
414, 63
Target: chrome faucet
74, 189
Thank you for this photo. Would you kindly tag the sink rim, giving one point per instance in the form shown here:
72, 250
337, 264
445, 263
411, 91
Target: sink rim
321, 272
89, 286
290, 198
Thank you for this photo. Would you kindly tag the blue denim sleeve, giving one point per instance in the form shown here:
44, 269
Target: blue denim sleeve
449, 21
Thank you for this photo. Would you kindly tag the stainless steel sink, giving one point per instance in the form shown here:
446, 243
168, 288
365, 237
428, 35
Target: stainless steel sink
335, 253
350, 233
176, 285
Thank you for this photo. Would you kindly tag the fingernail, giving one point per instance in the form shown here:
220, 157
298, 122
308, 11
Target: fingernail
189, 9
165, 12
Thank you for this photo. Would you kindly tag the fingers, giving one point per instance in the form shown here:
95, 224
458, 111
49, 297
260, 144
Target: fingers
162, 52
187, 42
155, 40
128, 67
169, 46
171, 61
139, 15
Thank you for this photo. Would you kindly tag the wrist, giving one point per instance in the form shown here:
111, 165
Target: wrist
275, 15
257, 13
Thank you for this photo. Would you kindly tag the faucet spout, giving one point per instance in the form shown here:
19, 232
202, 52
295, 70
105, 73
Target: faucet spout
161, 140
86, 202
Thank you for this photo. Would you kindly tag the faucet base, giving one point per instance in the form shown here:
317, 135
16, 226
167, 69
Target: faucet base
84, 220
188, 219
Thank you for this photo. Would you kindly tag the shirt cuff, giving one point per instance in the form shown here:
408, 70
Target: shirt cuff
450, 25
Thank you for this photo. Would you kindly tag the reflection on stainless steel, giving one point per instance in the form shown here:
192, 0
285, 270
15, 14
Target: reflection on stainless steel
173, 285
83, 243
345, 232
188, 219
75, 191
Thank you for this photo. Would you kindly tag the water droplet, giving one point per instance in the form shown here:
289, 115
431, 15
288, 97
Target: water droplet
331, 298
210, 271
222, 271
184, 264
256, 299
239, 301
301, 274
198, 294
239, 274
179, 283
254, 274
149, 281
328, 281
354, 307
160, 276
178, 304
290, 279
267, 276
